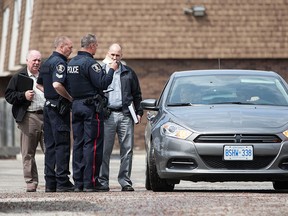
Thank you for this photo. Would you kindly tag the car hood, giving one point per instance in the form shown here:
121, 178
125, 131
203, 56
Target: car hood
231, 118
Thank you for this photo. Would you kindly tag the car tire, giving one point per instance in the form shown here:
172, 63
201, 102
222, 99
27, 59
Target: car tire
280, 185
156, 183
147, 180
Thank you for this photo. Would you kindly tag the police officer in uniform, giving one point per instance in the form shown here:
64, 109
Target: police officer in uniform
52, 81
87, 80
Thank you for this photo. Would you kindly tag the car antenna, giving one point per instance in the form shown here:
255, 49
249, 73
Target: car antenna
219, 63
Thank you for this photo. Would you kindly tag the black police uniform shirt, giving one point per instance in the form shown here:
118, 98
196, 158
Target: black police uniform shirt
54, 69
86, 77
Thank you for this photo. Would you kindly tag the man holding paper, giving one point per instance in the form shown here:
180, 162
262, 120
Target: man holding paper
27, 109
124, 97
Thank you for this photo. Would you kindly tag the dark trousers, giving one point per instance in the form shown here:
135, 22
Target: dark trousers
57, 143
88, 144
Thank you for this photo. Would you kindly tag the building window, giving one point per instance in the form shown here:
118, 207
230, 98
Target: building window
4, 39
14, 36
27, 30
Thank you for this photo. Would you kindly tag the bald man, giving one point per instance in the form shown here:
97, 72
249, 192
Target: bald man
126, 91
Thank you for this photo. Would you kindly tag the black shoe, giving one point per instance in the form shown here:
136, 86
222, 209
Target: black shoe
127, 188
78, 189
30, 190
65, 189
50, 190
102, 189
89, 190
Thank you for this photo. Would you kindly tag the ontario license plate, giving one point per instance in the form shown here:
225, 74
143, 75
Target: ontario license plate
238, 153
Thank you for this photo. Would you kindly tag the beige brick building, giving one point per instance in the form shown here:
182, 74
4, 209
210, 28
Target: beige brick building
158, 36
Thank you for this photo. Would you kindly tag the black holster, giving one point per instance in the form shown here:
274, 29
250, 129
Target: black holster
99, 101
63, 106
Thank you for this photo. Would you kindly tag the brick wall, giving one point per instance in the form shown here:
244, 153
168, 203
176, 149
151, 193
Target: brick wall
159, 29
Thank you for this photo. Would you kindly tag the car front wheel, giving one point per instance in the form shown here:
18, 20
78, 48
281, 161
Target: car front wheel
156, 183
147, 180
280, 185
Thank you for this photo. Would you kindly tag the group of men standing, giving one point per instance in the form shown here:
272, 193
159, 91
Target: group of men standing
99, 96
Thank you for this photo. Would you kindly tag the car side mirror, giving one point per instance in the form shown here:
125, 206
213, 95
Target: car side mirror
149, 104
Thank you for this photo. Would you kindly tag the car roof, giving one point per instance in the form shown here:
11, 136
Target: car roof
223, 71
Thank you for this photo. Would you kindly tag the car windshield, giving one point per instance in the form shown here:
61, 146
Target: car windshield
227, 89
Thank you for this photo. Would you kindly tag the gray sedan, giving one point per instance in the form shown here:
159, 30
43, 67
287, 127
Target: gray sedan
218, 125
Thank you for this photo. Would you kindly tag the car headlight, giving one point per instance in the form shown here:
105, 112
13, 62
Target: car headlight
174, 130
286, 133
